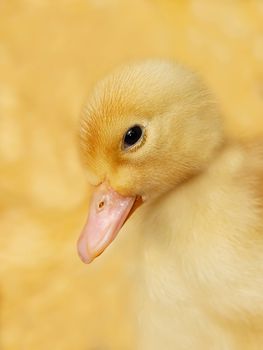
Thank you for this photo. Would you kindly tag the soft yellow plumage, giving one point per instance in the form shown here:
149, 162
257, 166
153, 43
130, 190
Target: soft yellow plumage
201, 223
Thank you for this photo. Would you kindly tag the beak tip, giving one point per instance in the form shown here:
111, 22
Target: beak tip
85, 259
83, 254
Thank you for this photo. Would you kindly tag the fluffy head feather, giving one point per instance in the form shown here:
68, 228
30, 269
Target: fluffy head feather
181, 121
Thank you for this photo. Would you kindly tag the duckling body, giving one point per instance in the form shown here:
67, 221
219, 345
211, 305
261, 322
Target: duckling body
153, 131
203, 283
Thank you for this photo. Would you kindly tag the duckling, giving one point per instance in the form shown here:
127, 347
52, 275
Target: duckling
153, 141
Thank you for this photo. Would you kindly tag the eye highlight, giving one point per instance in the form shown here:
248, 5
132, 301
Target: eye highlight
132, 136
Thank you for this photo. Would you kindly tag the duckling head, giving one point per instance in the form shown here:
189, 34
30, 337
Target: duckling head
146, 128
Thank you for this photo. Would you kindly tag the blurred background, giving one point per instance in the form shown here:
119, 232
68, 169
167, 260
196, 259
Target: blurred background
51, 53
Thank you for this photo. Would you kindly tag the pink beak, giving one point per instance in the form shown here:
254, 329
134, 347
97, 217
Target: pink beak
108, 212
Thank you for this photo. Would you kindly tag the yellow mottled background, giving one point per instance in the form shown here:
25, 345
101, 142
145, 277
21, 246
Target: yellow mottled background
51, 53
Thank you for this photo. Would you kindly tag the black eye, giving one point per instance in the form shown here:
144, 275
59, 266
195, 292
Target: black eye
132, 136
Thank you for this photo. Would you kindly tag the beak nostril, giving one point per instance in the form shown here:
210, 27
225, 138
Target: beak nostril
101, 204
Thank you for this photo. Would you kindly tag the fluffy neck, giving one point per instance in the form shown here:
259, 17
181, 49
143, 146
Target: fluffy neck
167, 222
